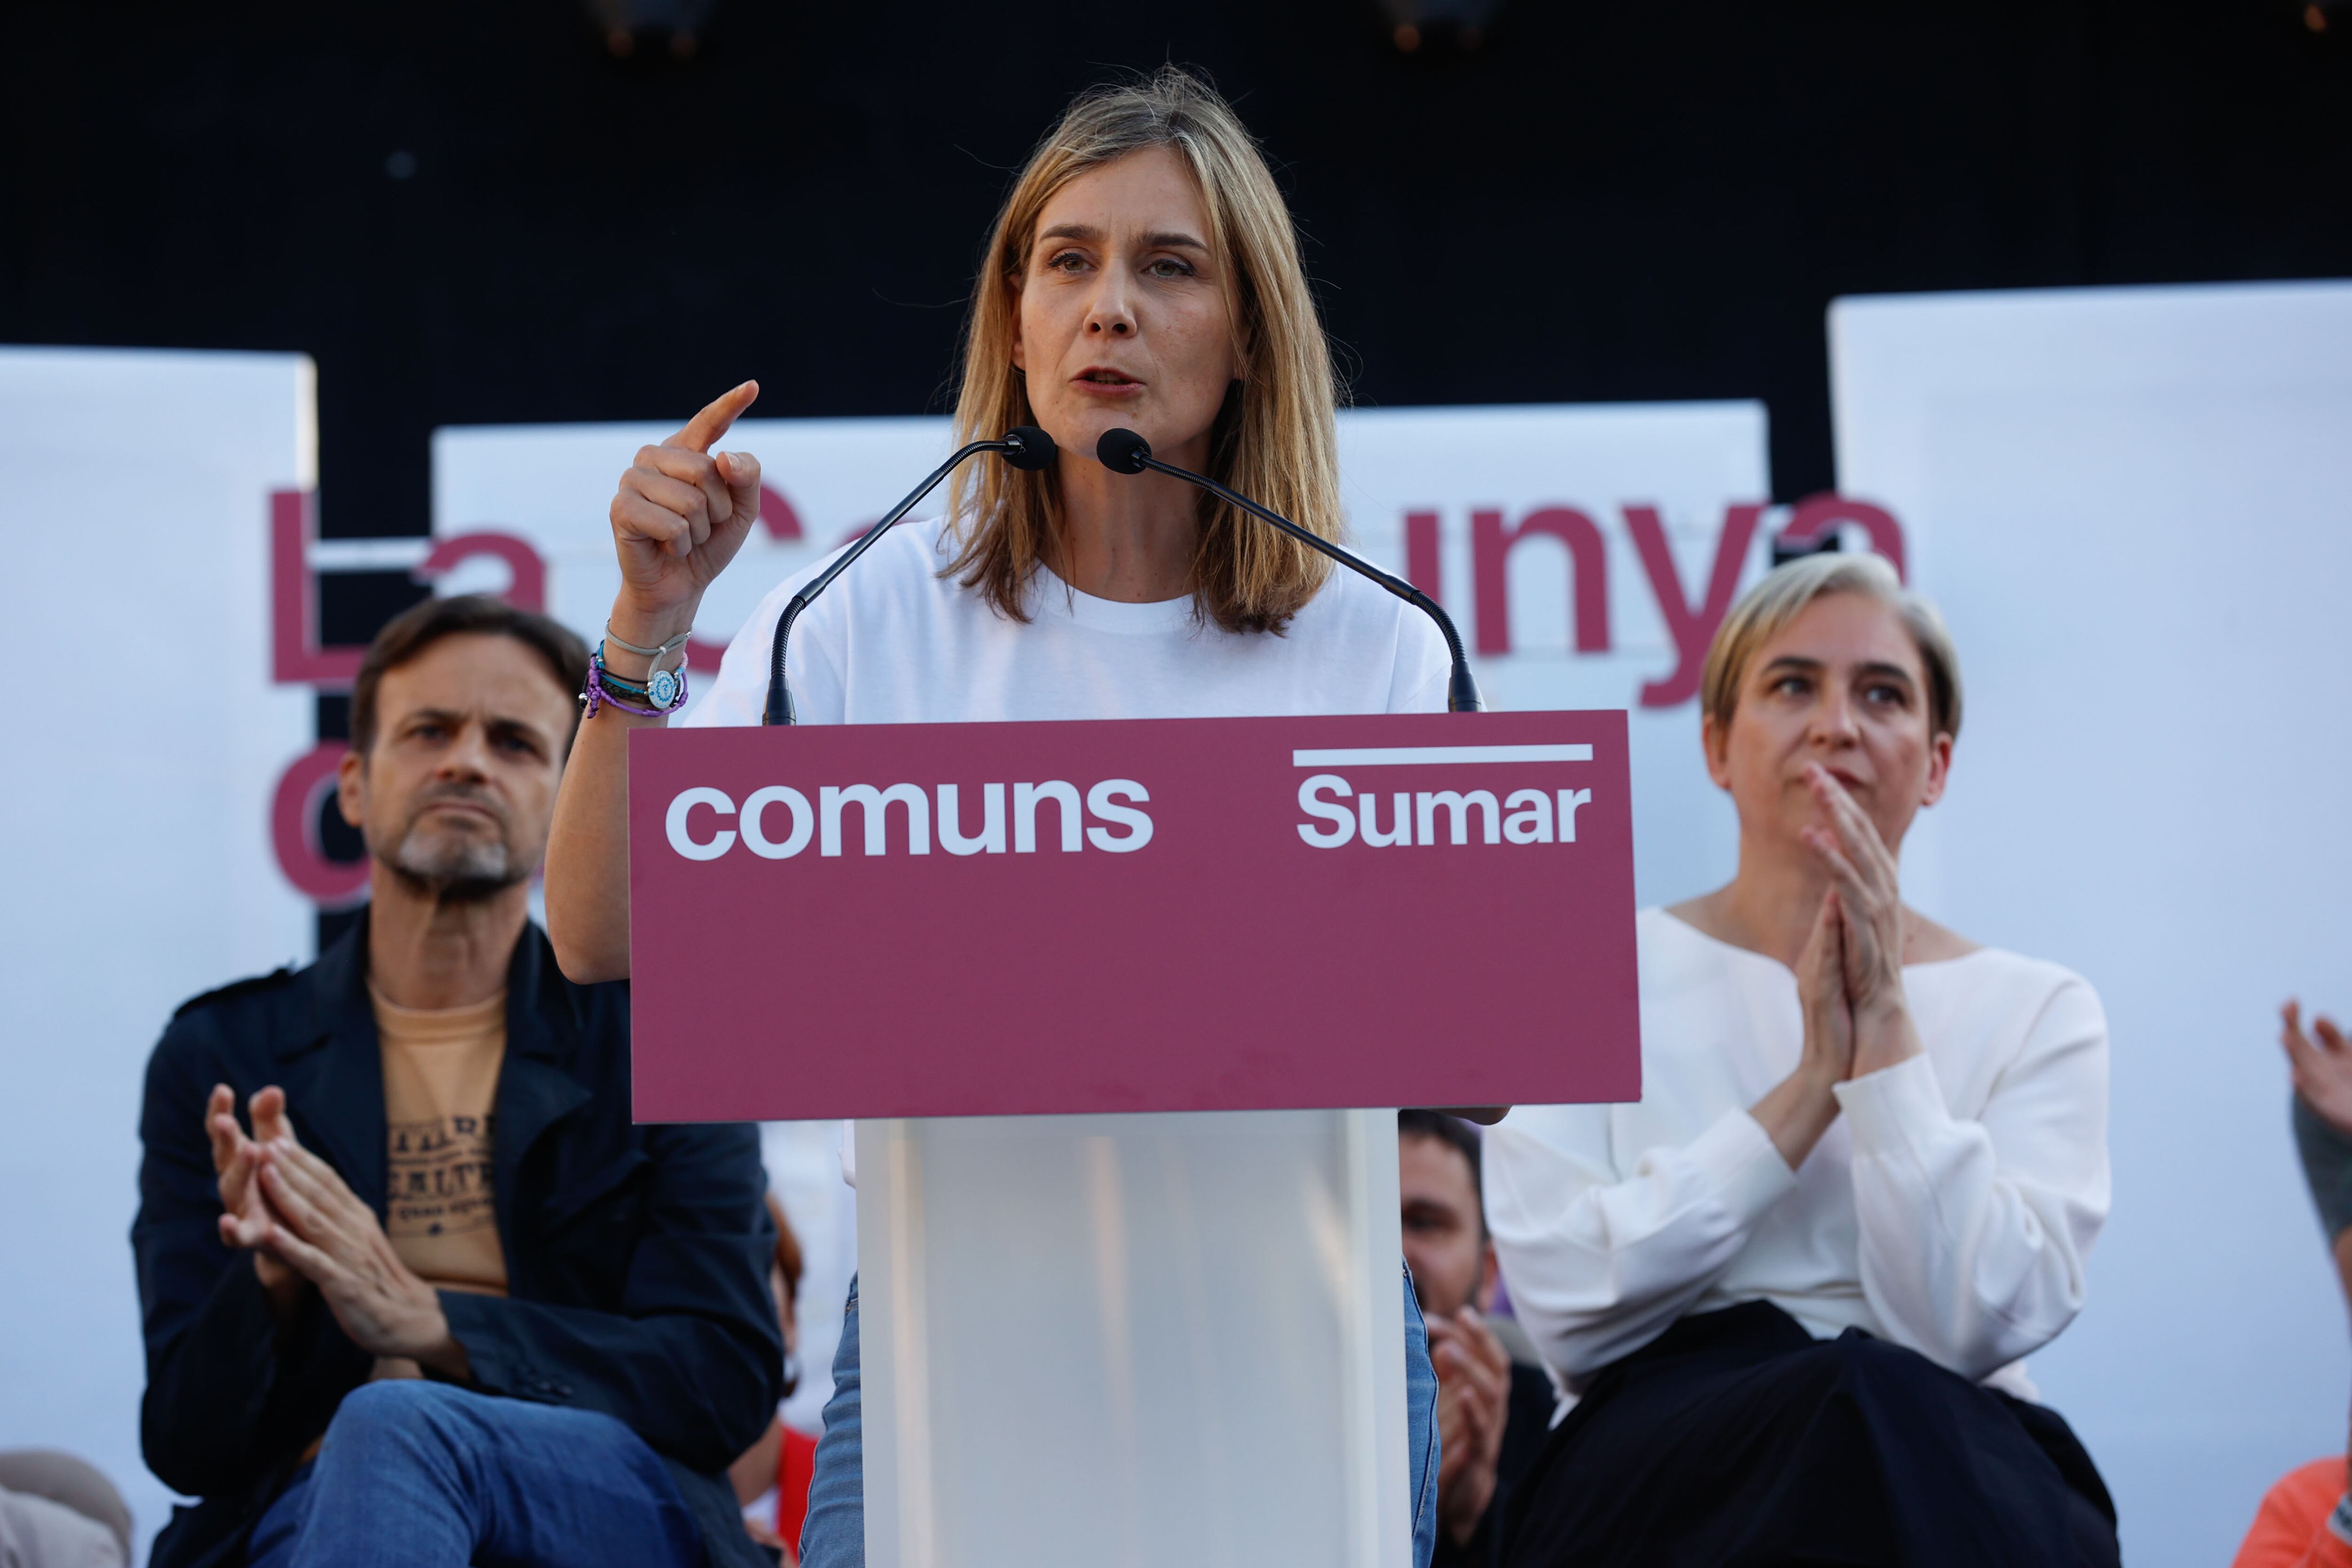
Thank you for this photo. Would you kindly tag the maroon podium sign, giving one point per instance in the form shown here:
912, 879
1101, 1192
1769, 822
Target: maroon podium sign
1184, 914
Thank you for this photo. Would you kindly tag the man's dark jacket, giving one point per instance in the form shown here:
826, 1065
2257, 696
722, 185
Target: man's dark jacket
636, 1256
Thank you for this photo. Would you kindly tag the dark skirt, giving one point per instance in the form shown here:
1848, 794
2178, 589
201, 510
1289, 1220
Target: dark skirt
1738, 1438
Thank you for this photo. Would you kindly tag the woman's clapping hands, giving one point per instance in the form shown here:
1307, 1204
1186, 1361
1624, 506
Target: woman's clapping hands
1801, 1106
1865, 904
1849, 976
1822, 990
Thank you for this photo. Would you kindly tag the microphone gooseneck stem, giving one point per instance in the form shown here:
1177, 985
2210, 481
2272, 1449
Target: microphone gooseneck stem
1462, 690
780, 693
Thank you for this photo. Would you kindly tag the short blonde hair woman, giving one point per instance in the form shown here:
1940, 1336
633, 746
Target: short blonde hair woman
1793, 1286
1143, 273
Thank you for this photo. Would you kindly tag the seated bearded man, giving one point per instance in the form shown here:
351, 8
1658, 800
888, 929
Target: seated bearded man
414, 1288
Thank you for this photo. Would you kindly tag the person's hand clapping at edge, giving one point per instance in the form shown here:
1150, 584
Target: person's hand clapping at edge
2322, 1073
2306, 1517
237, 1161
2322, 1068
1473, 1397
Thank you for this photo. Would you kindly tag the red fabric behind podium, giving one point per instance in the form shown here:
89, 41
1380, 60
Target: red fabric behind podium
1228, 963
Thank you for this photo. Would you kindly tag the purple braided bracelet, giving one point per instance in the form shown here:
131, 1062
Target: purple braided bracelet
596, 695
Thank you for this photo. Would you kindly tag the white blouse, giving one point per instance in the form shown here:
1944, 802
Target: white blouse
1950, 1208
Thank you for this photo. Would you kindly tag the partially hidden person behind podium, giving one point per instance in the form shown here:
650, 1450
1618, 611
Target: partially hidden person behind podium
1494, 1406
415, 1290
1143, 273
1793, 1287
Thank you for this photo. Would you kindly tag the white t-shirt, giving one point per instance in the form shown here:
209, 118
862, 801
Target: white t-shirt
893, 642
1950, 1207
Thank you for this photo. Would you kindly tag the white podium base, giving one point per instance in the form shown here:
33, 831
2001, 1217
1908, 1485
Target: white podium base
1133, 1342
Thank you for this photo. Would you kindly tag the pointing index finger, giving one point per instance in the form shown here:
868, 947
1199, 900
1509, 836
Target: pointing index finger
716, 416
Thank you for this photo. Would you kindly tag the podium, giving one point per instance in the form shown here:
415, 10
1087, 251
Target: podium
1108, 1001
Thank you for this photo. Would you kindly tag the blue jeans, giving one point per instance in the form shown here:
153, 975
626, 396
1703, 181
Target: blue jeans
423, 1473
834, 1533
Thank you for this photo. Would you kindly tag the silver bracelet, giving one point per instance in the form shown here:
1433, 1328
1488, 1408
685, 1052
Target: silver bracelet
655, 654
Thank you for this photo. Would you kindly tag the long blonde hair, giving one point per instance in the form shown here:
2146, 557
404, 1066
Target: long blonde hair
1274, 440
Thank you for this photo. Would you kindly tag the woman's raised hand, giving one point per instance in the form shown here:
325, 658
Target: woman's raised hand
680, 515
1869, 891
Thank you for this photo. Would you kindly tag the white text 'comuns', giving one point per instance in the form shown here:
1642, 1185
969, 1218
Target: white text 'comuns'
778, 821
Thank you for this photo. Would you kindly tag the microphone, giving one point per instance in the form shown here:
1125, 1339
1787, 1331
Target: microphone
1125, 452
1024, 447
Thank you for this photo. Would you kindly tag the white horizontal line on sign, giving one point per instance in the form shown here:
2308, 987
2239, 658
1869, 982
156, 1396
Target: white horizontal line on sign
1401, 756
367, 554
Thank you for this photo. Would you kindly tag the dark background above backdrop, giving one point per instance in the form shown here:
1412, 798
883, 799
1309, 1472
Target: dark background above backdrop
475, 214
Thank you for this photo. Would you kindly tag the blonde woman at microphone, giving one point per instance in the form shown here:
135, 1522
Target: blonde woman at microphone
1793, 1287
1143, 273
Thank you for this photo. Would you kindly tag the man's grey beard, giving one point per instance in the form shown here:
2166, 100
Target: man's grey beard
455, 870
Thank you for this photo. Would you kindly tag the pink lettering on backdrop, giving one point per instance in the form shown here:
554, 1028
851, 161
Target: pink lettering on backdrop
782, 524
777, 516
1422, 566
1490, 548
1817, 517
1692, 626
295, 656
526, 586
302, 791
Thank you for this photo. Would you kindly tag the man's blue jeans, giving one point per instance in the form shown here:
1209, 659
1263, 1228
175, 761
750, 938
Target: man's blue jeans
423, 1473
834, 1533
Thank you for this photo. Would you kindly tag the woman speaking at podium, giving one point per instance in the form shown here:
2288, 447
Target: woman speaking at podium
1143, 273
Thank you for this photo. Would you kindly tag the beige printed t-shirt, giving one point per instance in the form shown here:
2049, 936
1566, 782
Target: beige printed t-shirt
440, 1082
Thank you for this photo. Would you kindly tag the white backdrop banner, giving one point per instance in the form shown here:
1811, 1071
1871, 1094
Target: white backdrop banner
2133, 506
136, 513
2136, 509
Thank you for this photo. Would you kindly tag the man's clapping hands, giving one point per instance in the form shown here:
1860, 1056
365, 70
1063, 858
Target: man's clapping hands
306, 1227
1473, 1405
237, 1163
